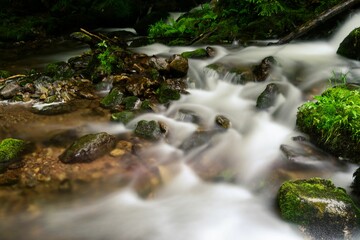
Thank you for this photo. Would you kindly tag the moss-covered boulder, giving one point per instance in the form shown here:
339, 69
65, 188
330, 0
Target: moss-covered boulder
320, 207
268, 97
198, 53
123, 117
10, 152
350, 46
88, 148
149, 130
114, 98
333, 121
166, 94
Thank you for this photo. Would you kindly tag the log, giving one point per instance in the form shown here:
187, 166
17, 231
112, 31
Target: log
320, 19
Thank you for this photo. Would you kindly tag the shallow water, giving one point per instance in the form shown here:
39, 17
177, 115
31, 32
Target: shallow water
190, 208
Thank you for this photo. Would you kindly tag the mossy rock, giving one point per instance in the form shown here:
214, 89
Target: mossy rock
319, 206
166, 94
113, 99
197, 54
149, 130
350, 46
123, 117
268, 97
130, 102
333, 122
10, 152
88, 148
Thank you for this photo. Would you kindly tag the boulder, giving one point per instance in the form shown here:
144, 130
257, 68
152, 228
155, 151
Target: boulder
350, 46
333, 122
88, 148
318, 206
10, 152
268, 97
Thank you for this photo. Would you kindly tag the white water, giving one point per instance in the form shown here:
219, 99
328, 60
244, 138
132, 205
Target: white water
189, 208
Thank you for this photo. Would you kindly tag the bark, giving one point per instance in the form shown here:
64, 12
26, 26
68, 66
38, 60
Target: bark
320, 19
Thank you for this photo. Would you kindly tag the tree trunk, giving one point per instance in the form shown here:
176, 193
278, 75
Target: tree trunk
324, 16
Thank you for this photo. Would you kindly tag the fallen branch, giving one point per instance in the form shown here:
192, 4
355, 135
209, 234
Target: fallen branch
324, 16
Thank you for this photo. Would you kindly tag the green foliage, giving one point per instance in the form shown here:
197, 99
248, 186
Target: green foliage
186, 27
267, 7
337, 111
106, 58
10, 151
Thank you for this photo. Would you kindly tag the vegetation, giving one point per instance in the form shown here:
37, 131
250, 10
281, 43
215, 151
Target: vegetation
323, 210
10, 151
227, 20
333, 121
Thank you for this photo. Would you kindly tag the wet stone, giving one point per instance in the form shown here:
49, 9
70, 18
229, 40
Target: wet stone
222, 121
10, 152
149, 130
53, 108
268, 97
10, 90
319, 207
113, 99
179, 66
88, 148
123, 117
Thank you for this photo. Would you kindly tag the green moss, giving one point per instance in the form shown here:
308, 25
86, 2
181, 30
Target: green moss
166, 94
350, 46
113, 99
4, 74
10, 151
149, 130
130, 102
123, 117
305, 202
333, 121
198, 53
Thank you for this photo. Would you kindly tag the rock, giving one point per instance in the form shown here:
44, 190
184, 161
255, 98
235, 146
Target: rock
356, 183
223, 121
149, 130
113, 99
10, 90
166, 94
350, 46
263, 70
333, 122
88, 148
83, 38
131, 103
268, 97
53, 108
59, 71
197, 54
123, 117
159, 64
10, 152
178, 66
323, 210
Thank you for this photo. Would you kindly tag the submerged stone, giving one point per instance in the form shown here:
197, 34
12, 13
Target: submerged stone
113, 99
268, 97
10, 152
198, 53
149, 130
322, 209
88, 148
166, 94
123, 117
350, 46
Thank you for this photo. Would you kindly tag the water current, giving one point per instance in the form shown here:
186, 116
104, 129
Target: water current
187, 207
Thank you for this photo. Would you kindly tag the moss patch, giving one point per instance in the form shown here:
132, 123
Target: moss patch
333, 121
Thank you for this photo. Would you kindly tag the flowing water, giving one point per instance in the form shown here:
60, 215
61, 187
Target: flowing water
187, 207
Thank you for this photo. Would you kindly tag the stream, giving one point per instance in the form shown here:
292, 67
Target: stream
187, 207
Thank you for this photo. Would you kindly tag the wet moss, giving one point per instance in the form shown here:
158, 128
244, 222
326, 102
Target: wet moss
333, 121
10, 151
198, 53
316, 201
123, 117
113, 99
149, 130
166, 94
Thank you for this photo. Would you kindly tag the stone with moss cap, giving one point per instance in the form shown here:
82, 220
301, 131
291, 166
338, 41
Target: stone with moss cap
350, 46
333, 121
198, 53
319, 206
10, 152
